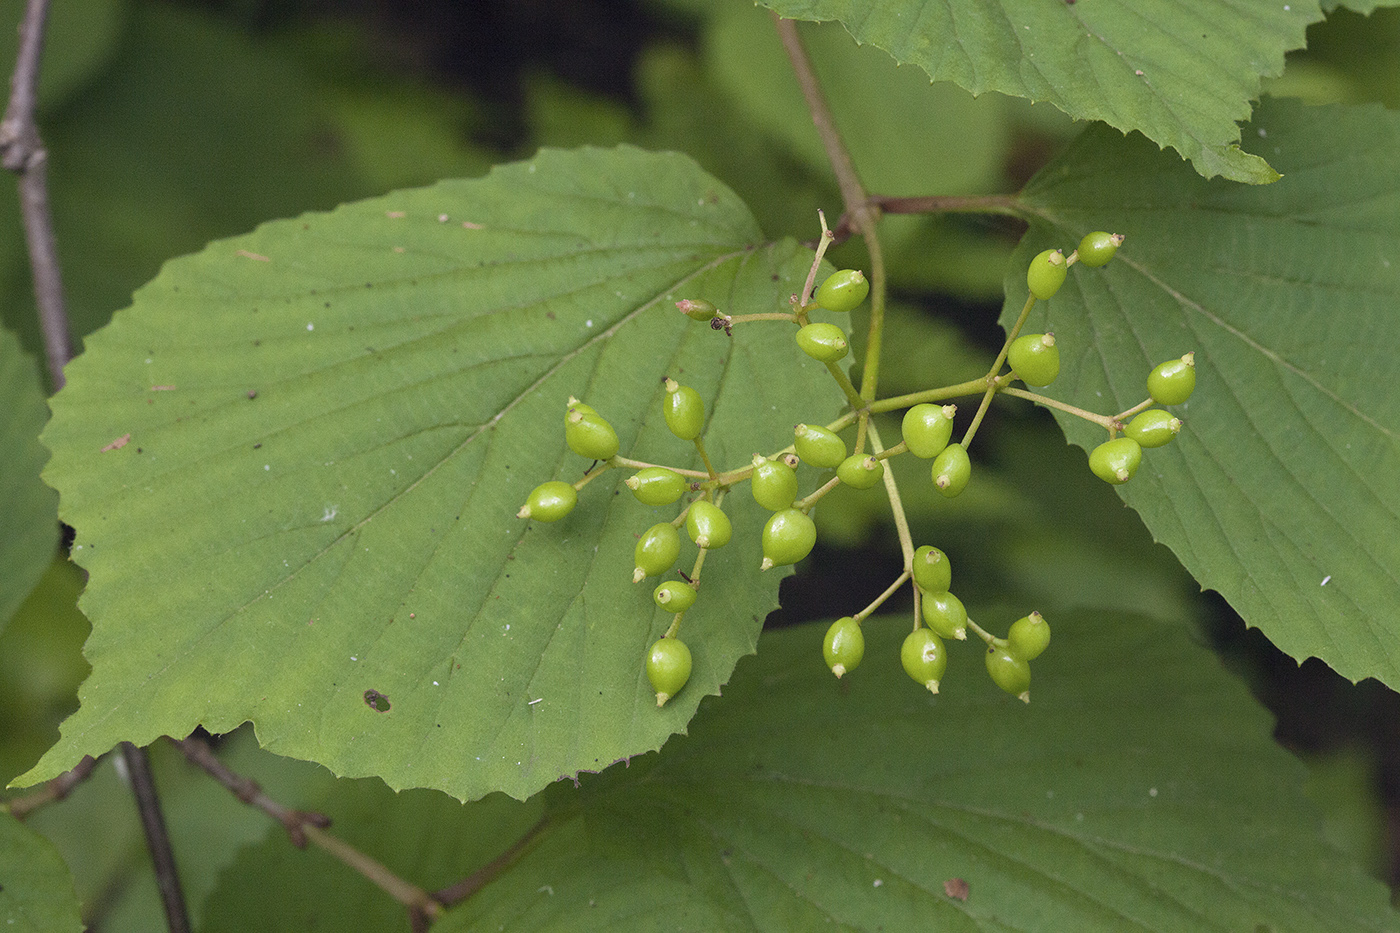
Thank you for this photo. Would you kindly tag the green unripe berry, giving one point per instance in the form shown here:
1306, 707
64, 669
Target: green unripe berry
1046, 274
1117, 460
656, 551
842, 291
928, 428
668, 668
1153, 428
932, 572
951, 470
843, 646
1035, 358
774, 483
788, 536
861, 471
1172, 382
549, 502
825, 343
588, 434
818, 446
674, 596
707, 525
684, 410
1009, 672
945, 614
1097, 248
924, 658
657, 485
697, 309
1029, 637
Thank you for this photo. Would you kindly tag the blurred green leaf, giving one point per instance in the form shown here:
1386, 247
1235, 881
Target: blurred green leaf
1279, 493
330, 424
80, 36
36, 895
1182, 76
28, 508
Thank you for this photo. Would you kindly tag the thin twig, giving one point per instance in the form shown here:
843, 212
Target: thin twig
22, 152
143, 786
52, 791
478, 879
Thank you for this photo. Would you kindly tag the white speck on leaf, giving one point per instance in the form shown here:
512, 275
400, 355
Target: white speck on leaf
1326, 580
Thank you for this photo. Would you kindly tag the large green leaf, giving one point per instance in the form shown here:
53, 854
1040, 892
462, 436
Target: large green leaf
1140, 791
294, 467
36, 893
1183, 74
1283, 492
28, 508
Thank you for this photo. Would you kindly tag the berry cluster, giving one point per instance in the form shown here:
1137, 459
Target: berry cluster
927, 433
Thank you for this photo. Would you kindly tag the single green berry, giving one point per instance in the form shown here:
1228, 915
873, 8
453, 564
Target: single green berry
861, 471
576, 406
825, 343
657, 485
697, 309
1172, 382
1035, 358
842, 291
707, 524
932, 572
684, 410
843, 646
1117, 460
549, 502
774, 484
589, 435
928, 428
818, 446
674, 596
656, 551
951, 470
788, 536
668, 668
1097, 248
1046, 274
1029, 637
945, 614
924, 658
1153, 428
1009, 672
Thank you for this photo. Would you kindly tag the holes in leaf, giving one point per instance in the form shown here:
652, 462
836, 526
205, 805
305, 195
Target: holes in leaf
376, 701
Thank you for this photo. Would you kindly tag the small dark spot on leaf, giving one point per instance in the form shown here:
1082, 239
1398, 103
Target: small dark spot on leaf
138, 450
376, 701
252, 393
257, 445
956, 888
257, 343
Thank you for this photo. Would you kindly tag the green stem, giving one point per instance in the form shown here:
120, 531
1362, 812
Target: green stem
996, 368
852, 396
621, 461
1102, 420
812, 498
971, 387
770, 316
700, 446
982, 633
901, 521
1140, 406
879, 601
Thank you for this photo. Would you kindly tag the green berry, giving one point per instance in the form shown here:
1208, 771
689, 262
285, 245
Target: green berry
928, 428
697, 309
1046, 274
932, 572
1035, 358
843, 646
1009, 672
657, 485
818, 446
788, 536
774, 483
924, 658
576, 406
1097, 248
951, 470
674, 596
861, 471
588, 434
1172, 382
1117, 460
945, 614
668, 668
842, 291
825, 343
656, 551
1153, 428
684, 410
707, 525
549, 502
1029, 637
